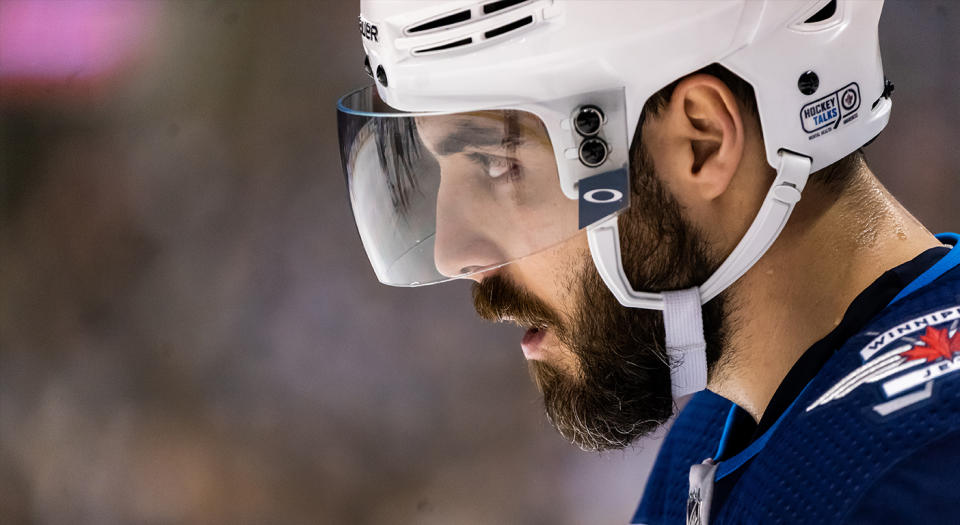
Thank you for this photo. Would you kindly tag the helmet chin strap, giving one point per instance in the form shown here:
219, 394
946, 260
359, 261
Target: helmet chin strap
682, 313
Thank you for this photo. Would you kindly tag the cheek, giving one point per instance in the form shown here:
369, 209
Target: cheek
554, 274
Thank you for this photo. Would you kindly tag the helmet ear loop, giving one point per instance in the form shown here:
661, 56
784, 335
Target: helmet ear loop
683, 315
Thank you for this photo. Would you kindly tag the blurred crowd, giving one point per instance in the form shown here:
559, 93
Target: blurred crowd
189, 330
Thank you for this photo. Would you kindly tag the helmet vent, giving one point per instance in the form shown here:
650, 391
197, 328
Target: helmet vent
512, 26
500, 5
443, 21
468, 28
444, 47
826, 13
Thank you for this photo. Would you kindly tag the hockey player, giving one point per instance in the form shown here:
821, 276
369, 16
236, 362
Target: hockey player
624, 179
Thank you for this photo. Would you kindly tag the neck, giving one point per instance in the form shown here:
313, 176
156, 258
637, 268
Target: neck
833, 247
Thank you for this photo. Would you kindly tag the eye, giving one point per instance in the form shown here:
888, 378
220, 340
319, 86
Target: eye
495, 166
498, 166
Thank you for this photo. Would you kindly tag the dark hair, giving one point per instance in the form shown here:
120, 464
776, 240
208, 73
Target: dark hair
836, 177
398, 150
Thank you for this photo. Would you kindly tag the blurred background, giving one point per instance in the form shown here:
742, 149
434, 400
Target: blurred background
189, 329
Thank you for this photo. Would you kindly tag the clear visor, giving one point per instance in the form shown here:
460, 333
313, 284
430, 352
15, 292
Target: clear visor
443, 196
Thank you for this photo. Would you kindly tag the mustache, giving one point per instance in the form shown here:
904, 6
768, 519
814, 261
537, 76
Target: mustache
498, 299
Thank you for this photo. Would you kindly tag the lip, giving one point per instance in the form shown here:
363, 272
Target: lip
531, 342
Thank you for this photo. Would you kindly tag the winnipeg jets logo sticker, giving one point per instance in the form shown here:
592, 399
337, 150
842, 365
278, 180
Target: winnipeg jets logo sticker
904, 361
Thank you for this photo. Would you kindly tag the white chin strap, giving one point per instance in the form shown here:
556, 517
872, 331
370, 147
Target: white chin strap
682, 313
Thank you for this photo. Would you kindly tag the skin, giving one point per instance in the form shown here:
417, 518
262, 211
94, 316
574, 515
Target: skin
499, 200
709, 154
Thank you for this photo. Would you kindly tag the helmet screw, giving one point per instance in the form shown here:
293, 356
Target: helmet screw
593, 152
381, 76
808, 83
366, 66
887, 88
588, 121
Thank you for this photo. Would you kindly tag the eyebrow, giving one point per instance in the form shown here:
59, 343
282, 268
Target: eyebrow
469, 133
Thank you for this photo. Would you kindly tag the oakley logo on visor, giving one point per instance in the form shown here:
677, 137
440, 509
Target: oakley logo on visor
602, 195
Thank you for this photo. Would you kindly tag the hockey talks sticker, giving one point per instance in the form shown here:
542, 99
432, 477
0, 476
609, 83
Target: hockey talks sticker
828, 113
923, 349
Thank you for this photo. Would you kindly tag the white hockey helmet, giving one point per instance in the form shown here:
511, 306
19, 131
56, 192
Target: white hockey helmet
527, 109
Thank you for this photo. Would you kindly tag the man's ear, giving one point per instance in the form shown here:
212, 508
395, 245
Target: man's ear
703, 131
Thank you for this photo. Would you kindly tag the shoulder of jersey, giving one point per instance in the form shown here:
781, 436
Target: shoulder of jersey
891, 391
904, 358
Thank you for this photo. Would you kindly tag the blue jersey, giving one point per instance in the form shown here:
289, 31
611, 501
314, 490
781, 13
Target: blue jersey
863, 429
694, 436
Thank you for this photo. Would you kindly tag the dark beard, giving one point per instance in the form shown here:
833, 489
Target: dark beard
622, 389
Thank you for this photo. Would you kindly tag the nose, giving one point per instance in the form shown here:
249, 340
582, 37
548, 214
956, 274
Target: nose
465, 241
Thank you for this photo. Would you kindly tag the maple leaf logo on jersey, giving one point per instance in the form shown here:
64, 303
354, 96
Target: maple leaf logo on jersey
905, 372
937, 345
